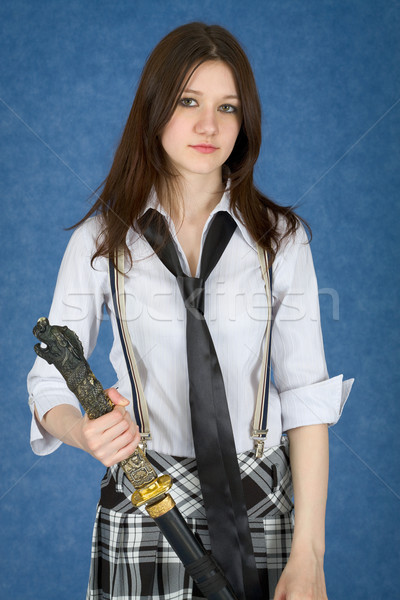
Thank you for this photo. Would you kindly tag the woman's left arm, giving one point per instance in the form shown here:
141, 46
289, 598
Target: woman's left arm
309, 401
303, 577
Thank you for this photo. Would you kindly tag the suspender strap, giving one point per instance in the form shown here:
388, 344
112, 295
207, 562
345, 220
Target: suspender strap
117, 282
259, 428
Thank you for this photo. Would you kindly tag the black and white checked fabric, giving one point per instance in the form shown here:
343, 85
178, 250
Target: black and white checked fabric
131, 560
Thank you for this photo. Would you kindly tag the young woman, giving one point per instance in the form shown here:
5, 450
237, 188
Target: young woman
188, 152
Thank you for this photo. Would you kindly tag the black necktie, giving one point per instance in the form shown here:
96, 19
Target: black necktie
214, 444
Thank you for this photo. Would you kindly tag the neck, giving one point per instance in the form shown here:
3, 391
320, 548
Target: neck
198, 196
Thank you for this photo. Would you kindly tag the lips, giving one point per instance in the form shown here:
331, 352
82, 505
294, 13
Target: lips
204, 148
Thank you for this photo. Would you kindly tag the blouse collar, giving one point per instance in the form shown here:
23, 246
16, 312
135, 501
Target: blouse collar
223, 205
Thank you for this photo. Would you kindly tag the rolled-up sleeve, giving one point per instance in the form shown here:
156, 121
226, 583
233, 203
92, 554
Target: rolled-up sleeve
78, 303
308, 396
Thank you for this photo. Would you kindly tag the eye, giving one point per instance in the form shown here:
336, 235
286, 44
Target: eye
228, 108
188, 102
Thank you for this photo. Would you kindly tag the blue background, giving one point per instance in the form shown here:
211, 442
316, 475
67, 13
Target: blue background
328, 75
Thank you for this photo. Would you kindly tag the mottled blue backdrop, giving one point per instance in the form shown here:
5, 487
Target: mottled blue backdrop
328, 74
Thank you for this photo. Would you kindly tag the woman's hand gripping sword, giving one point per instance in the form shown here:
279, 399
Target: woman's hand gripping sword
64, 350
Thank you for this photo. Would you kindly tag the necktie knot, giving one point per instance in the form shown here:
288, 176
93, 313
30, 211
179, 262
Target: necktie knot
192, 290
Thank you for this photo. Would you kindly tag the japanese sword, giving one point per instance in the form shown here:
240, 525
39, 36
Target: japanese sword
64, 350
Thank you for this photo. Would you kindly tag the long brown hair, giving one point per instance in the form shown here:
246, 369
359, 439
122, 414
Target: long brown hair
140, 163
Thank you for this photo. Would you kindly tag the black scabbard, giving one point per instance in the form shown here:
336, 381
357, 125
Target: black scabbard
200, 564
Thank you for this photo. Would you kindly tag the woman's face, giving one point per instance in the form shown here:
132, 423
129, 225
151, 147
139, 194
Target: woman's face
203, 129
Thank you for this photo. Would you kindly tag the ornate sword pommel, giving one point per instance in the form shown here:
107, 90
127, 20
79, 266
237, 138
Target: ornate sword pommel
64, 350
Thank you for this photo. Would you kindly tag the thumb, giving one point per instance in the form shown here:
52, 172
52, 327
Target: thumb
116, 397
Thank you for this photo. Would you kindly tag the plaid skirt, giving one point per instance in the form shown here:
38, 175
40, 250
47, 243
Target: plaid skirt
131, 560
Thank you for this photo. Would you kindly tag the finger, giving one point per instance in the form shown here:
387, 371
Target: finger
114, 432
118, 436
125, 451
116, 398
115, 452
125, 427
124, 440
105, 446
95, 427
127, 417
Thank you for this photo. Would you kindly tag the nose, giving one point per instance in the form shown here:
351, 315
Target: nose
207, 122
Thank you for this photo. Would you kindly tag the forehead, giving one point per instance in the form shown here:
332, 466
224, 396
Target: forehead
213, 77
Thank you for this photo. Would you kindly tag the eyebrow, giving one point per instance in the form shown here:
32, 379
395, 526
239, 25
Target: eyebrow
230, 96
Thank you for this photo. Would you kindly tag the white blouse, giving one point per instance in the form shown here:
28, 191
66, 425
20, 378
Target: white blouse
235, 310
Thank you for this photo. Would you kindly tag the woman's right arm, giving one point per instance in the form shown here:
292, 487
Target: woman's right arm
80, 294
110, 438
78, 301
